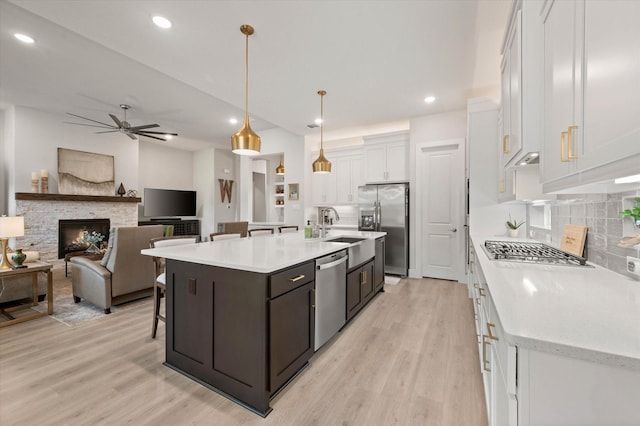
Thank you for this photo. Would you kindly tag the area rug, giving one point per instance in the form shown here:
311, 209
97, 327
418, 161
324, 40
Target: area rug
73, 314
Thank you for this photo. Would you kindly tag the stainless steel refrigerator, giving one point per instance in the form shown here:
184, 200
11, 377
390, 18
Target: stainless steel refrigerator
385, 208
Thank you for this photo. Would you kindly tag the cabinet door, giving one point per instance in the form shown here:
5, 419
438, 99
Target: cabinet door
514, 144
611, 83
378, 272
561, 77
375, 163
354, 292
291, 333
357, 177
324, 187
367, 282
342, 171
505, 110
396, 161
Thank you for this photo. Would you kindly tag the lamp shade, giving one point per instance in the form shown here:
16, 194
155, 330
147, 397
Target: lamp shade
11, 226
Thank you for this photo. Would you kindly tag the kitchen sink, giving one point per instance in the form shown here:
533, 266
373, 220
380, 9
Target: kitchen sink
349, 240
360, 249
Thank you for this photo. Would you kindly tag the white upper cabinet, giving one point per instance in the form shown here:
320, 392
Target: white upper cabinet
386, 158
522, 76
591, 92
341, 185
349, 175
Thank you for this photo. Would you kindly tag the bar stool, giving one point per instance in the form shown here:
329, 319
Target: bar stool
260, 231
160, 282
217, 236
287, 228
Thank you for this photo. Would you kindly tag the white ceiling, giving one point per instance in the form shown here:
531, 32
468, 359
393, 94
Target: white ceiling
377, 60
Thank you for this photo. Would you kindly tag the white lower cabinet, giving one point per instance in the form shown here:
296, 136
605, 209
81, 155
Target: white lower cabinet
497, 358
526, 387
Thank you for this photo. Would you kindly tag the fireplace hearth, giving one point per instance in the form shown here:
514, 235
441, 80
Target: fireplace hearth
71, 231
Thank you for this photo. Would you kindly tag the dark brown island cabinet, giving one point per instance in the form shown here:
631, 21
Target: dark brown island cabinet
244, 334
378, 265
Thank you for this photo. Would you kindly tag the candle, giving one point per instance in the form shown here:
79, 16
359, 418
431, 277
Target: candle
44, 173
34, 176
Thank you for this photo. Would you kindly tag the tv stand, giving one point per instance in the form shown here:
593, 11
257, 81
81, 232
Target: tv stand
180, 227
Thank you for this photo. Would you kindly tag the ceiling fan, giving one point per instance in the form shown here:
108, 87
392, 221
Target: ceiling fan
124, 126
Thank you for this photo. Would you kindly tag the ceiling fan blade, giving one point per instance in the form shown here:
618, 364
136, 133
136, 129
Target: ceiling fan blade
85, 118
131, 135
152, 137
108, 131
156, 133
118, 122
92, 125
146, 126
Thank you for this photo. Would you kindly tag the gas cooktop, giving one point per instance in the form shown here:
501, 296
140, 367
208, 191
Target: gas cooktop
530, 252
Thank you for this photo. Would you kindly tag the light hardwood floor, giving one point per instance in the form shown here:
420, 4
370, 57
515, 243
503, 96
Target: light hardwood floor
409, 358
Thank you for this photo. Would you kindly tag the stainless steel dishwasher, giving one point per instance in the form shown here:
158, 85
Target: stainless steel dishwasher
331, 296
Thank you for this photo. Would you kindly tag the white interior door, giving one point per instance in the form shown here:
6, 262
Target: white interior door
441, 174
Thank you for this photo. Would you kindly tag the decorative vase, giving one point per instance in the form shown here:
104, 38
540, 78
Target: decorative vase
18, 258
513, 233
93, 248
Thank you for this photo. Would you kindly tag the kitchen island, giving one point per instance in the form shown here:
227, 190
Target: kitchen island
558, 344
240, 313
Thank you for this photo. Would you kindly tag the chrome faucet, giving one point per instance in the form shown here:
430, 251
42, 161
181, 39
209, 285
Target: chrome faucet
323, 224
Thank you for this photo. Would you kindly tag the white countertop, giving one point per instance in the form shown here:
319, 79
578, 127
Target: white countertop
589, 313
262, 254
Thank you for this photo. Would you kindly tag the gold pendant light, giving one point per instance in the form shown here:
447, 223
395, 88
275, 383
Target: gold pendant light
246, 141
280, 169
321, 165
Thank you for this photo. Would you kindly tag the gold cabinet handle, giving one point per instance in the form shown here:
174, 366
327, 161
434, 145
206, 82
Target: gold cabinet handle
485, 361
298, 278
505, 144
501, 186
563, 147
363, 277
478, 301
481, 291
570, 130
490, 333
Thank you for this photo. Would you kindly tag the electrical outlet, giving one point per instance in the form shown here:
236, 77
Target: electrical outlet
633, 265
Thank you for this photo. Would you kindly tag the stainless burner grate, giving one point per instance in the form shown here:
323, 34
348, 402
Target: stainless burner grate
531, 253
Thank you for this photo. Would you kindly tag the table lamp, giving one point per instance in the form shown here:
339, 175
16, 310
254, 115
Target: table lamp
9, 227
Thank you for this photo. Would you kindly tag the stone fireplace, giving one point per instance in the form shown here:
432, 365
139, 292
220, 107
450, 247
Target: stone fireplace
71, 234
42, 213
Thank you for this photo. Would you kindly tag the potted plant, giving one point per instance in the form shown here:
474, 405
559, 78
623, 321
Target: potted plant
513, 226
633, 212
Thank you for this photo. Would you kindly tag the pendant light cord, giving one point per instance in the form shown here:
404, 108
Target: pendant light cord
246, 80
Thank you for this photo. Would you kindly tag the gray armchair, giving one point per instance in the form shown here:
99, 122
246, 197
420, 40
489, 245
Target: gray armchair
122, 275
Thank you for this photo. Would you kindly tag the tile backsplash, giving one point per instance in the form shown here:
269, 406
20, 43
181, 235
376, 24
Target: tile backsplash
600, 213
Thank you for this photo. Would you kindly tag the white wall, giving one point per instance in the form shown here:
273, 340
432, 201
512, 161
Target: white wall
226, 168
6, 156
39, 134
277, 141
165, 168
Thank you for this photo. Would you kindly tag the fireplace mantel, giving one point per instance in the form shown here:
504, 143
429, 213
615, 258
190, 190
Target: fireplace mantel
32, 196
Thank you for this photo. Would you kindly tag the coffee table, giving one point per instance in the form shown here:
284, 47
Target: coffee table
90, 256
33, 269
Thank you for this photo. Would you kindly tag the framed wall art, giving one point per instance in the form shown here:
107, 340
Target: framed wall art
294, 191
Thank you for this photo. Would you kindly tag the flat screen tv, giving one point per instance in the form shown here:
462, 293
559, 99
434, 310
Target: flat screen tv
168, 203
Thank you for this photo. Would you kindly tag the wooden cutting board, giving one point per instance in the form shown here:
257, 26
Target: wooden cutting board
573, 239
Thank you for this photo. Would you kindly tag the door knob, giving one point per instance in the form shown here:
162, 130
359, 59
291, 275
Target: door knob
453, 230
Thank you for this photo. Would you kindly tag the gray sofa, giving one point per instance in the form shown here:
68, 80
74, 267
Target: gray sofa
14, 289
122, 275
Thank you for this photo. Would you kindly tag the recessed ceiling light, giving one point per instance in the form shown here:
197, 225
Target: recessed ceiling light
168, 137
24, 38
318, 121
430, 99
162, 22
233, 120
